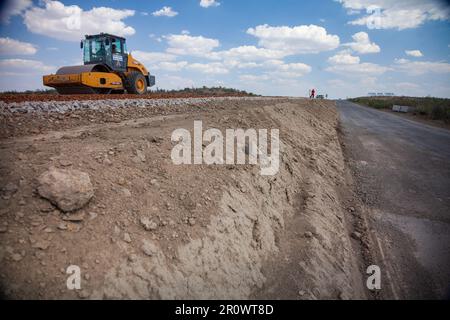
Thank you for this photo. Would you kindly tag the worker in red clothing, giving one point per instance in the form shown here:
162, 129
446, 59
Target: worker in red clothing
313, 94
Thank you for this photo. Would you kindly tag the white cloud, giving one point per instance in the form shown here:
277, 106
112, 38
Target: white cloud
11, 8
165, 12
170, 66
208, 68
345, 64
352, 12
209, 3
249, 53
25, 65
10, 46
251, 78
159, 61
421, 67
414, 53
292, 70
397, 14
184, 44
71, 23
362, 44
242, 65
278, 72
152, 57
295, 40
358, 69
343, 57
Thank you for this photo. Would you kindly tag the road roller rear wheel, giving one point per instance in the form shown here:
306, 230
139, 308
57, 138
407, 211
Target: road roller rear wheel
136, 83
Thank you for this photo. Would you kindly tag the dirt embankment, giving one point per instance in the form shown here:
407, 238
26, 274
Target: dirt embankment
155, 230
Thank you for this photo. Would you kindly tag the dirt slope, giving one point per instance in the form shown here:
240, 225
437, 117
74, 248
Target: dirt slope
217, 231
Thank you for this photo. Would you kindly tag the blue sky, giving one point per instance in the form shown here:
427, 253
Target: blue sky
284, 47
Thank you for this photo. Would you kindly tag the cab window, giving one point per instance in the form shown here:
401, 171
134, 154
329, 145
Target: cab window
116, 46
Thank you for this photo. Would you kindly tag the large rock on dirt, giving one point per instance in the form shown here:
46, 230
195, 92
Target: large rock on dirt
68, 189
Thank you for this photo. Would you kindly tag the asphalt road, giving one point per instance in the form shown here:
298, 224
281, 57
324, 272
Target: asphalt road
402, 170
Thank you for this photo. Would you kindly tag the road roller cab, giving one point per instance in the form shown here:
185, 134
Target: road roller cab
108, 68
105, 49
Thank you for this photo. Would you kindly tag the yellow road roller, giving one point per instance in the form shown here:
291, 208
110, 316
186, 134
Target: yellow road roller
108, 68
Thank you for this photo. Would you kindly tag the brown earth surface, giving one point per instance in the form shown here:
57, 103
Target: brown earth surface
217, 231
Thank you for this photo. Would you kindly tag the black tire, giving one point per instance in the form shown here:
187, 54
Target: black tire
102, 90
132, 83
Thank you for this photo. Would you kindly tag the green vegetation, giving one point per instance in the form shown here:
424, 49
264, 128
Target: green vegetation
207, 91
433, 108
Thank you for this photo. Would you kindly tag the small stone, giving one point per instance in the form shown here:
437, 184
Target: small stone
351, 209
149, 248
16, 257
356, 235
126, 192
74, 217
132, 258
316, 292
140, 155
126, 237
68, 189
148, 224
65, 163
191, 221
301, 293
92, 215
308, 234
41, 244
121, 181
3, 229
